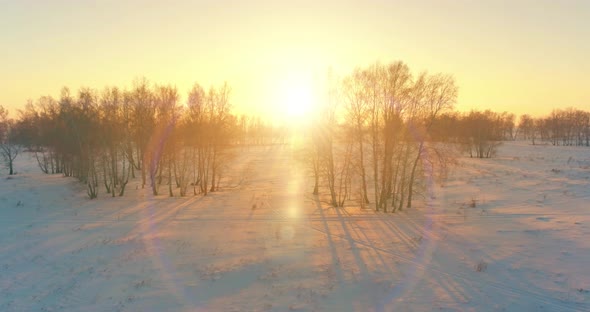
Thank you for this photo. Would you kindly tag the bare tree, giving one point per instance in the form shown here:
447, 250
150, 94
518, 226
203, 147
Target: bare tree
482, 133
143, 122
356, 110
9, 150
388, 117
526, 127
440, 95
313, 155
219, 110
330, 147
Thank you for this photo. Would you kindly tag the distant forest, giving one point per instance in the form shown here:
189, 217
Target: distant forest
379, 138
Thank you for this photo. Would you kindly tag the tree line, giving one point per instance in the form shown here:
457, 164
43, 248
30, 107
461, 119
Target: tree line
568, 127
382, 134
481, 132
378, 136
477, 133
104, 138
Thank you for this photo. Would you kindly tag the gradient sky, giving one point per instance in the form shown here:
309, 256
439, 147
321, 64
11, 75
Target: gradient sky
519, 56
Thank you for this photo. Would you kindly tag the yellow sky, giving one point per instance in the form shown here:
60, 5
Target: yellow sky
519, 56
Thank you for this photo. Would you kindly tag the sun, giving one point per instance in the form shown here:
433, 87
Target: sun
298, 101
296, 98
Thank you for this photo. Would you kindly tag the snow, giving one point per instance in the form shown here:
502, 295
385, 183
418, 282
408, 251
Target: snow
265, 244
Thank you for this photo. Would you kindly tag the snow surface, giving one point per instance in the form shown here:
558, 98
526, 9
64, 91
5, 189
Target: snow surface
264, 244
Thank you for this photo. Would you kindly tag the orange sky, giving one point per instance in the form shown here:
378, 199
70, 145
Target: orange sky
520, 56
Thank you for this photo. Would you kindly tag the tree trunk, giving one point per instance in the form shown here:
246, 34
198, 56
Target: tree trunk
411, 185
316, 183
170, 177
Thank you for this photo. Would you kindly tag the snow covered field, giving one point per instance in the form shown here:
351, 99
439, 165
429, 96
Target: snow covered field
267, 245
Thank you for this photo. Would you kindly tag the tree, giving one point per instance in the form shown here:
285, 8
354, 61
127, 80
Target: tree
356, 114
142, 124
440, 95
388, 118
526, 126
9, 150
482, 133
329, 148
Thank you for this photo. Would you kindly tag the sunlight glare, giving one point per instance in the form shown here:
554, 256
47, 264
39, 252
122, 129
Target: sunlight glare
297, 99
293, 212
298, 102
